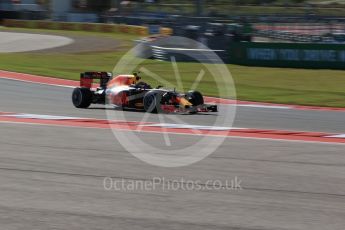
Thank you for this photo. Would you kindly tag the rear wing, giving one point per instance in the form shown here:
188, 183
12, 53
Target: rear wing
87, 79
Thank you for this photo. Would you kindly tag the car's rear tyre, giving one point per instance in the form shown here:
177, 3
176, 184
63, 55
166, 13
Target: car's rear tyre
152, 102
81, 97
195, 97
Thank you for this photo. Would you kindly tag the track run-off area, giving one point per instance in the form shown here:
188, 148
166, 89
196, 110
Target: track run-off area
54, 158
203, 129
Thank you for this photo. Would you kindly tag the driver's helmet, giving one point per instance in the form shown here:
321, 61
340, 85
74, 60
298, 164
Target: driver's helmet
123, 80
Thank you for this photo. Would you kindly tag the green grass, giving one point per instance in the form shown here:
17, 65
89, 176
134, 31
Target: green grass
279, 85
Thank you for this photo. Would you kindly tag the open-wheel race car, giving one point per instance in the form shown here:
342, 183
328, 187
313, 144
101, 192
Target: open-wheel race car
128, 92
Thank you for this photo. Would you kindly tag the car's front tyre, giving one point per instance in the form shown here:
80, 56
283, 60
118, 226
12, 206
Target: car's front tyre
195, 97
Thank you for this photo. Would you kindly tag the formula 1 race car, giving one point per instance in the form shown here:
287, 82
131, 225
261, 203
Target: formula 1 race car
128, 92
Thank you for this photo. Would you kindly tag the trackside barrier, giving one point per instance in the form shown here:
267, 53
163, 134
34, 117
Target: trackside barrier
67, 26
294, 55
41, 25
89, 27
187, 55
95, 27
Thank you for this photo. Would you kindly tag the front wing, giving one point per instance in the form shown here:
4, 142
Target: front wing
205, 108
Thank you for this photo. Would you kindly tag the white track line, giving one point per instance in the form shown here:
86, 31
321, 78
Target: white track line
185, 134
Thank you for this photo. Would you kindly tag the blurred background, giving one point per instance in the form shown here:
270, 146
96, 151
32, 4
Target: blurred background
321, 21
218, 24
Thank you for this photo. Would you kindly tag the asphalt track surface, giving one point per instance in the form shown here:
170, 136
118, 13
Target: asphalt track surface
54, 42
22, 42
42, 99
52, 177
